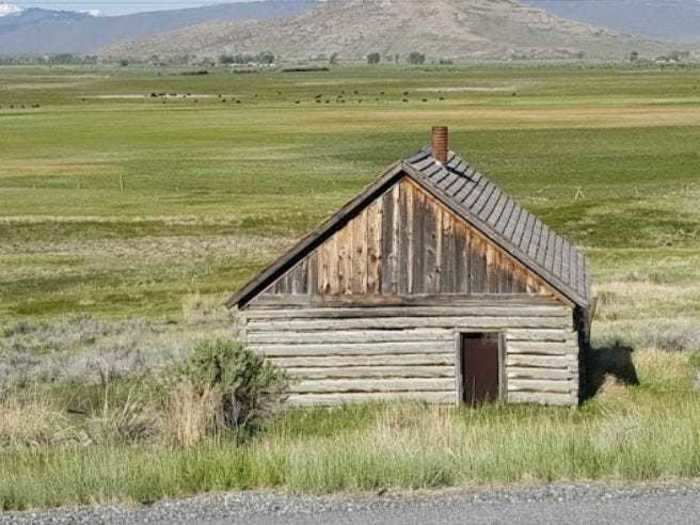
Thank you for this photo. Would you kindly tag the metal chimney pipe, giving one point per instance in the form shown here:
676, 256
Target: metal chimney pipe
440, 143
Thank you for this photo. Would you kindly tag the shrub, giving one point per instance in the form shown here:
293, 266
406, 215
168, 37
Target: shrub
374, 58
416, 58
694, 360
250, 389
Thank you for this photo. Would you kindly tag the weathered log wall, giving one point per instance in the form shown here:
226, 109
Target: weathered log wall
364, 352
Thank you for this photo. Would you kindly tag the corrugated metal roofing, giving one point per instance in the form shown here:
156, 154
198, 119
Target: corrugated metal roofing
489, 209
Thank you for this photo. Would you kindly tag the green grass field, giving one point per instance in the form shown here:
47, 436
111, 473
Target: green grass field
120, 206
126, 218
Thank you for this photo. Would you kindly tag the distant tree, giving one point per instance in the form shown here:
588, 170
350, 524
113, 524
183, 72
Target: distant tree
634, 56
446, 62
333, 60
416, 58
64, 58
374, 58
226, 59
396, 58
678, 55
266, 57
123, 62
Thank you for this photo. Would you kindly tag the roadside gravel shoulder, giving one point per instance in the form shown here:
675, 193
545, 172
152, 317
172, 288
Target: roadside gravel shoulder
268, 507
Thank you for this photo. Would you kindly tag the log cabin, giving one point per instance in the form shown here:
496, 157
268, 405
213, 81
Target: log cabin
432, 284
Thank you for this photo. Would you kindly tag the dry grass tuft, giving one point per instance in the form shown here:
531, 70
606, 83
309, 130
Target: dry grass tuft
192, 414
198, 308
33, 421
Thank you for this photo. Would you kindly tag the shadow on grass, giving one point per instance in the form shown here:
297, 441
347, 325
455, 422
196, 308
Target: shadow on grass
614, 361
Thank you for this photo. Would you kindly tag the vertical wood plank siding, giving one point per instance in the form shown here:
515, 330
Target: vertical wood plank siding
406, 243
363, 352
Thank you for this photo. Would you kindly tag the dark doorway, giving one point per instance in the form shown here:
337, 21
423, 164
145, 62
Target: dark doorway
480, 367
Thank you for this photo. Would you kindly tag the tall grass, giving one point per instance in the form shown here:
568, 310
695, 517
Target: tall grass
645, 432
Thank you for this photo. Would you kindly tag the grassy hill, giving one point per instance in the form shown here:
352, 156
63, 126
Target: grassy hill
454, 29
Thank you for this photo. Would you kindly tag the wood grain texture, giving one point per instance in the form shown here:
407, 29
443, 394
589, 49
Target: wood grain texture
539, 385
407, 323
364, 372
472, 310
541, 398
386, 349
349, 336
559, 361
333, 361
405, 243
515, 372
362, 348
367, 385
346, 398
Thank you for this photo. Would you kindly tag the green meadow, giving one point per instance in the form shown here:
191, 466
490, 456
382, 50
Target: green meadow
133, 200
109, 196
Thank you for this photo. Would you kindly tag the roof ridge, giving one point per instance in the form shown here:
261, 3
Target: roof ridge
521, 241
480, 198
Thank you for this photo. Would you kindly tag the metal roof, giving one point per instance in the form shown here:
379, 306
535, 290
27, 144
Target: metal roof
478, 201
489, 209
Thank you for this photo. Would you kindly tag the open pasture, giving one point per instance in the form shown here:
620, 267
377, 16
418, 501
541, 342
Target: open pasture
118, 201
132, 201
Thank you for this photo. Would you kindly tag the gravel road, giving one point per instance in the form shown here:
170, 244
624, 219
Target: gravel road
571, 504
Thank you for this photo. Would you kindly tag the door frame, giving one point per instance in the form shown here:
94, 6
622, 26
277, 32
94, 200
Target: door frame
502, 378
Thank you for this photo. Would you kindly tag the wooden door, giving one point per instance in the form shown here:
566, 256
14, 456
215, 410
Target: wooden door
480, 367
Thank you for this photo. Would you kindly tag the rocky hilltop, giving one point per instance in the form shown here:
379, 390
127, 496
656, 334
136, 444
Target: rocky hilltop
449, 29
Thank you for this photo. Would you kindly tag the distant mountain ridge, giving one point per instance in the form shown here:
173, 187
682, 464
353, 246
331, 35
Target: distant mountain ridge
454, 29
675, 20
82, 33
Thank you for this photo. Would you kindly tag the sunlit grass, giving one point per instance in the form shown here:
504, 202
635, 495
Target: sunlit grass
607, 157
645, 432
125, 222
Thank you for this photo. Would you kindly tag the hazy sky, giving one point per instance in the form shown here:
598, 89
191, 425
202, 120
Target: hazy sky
113, 7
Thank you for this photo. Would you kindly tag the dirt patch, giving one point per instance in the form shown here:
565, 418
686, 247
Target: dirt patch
132, 96
461, 89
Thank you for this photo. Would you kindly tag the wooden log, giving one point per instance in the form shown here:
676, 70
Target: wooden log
379, 301
540, 361
539, 385
541, 335
397, 323
515, 372
333, 386
542, 398
350, 336
341, 399
362, 348
475, 310
350, 372
541, 348
364, 360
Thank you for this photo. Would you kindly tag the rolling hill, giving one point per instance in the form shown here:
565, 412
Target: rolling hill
82, 33
455, 29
